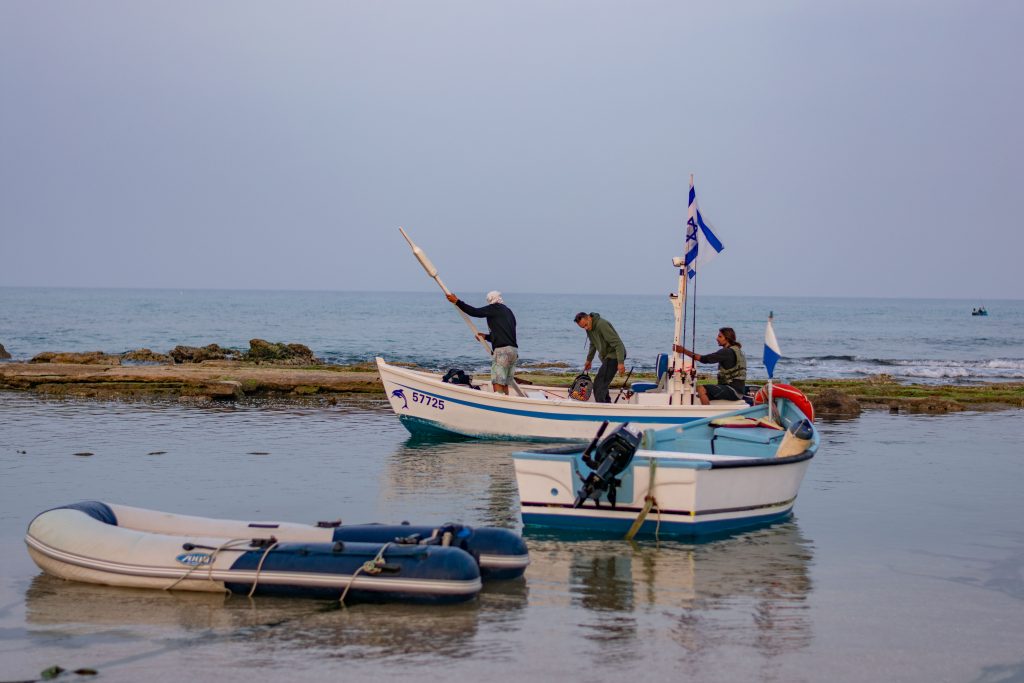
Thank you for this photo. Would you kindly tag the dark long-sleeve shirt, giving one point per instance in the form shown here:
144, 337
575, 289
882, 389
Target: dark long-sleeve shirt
724, 356
727, 359
500, 322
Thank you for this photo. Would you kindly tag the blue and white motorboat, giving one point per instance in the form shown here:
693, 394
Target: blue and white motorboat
707, 477
120, 545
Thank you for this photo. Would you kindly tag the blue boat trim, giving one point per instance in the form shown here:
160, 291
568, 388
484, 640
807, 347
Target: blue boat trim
423, 426
762, 462
668, 420
101, 512
638, 510
650, 526
570, 454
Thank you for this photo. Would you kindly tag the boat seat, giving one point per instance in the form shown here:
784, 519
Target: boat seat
762, 435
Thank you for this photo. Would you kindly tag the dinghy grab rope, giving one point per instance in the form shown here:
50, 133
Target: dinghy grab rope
374, 566
227, 545
256, 579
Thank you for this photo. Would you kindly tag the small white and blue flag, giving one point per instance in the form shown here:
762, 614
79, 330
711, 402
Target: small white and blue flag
702, 244
772, 354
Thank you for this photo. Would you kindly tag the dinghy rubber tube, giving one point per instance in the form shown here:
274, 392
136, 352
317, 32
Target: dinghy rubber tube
83, 542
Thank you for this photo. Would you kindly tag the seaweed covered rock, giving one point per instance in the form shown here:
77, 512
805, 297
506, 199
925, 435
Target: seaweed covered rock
4, 355
78, 358
835, 402
262, 351
145, 356
930, 404
197, 354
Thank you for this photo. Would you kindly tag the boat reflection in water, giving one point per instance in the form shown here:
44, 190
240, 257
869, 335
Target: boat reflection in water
98, 614
429, 474
718, 589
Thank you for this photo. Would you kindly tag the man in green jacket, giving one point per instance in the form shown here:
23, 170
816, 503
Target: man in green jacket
605, 342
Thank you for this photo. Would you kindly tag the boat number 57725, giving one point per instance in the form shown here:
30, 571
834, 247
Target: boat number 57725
429, 401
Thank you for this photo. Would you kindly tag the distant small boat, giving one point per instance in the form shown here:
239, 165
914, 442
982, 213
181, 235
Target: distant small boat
118, 545
980, 310
712, 476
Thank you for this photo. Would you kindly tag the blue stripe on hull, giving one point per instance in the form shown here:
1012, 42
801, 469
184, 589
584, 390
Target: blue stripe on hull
419, 426
354, 596
404, 562
547, 415
650, 525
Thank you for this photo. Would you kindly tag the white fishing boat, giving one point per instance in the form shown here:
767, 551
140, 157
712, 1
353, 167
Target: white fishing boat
712, 476
425, 403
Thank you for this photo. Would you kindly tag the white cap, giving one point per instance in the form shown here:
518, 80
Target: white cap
494, 297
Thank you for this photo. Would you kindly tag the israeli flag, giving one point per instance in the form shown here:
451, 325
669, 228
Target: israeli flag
702, 244
772, 354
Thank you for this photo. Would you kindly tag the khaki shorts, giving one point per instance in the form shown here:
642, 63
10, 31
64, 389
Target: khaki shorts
503, 364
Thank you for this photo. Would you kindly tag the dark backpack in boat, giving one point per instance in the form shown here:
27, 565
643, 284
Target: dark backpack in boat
458, 376
581, 388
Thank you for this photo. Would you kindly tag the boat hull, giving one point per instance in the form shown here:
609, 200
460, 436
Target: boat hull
710, 477
692, 500
427, 405
84, 542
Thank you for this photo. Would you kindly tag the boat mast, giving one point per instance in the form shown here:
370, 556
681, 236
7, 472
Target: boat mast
676, 372
679, 379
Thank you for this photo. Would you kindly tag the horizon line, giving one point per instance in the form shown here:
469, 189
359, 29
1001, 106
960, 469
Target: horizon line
428, 290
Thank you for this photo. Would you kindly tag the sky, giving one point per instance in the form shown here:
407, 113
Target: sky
839, 148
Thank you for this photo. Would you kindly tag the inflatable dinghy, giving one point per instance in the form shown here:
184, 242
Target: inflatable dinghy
120, 545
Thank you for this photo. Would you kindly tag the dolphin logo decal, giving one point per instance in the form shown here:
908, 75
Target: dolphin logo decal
398, 393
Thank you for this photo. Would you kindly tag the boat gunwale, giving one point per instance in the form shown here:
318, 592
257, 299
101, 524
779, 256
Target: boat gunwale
589, 406
691, 461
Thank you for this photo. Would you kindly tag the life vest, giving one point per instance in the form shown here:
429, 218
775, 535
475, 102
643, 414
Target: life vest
736, 372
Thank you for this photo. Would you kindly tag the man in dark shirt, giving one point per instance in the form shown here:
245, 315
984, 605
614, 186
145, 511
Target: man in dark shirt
501, 324
607, 345
732, 368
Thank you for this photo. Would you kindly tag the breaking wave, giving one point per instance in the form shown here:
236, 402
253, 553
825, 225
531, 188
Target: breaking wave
915, 369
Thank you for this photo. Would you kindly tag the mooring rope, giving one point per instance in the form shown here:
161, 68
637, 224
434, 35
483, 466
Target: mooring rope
256, 579
373, 566
227, 545
649, 499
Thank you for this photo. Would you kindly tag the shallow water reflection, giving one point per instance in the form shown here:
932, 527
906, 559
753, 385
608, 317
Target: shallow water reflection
905, 554
748, 588
58, 610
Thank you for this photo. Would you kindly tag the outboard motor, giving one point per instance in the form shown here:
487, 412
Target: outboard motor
612, 456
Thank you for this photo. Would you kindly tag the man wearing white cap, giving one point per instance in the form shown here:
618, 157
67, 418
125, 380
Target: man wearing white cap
501, 326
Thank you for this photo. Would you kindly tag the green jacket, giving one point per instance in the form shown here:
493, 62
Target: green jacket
604, 341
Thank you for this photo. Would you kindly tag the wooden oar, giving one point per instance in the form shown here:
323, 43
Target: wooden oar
432, 272
431, 269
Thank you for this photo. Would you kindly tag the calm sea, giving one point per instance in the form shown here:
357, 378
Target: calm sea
904, 561
924, 340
